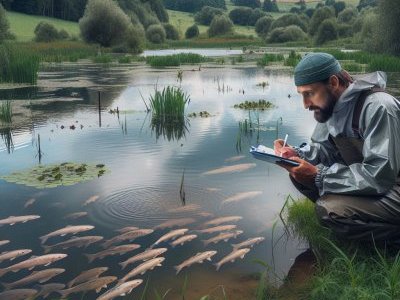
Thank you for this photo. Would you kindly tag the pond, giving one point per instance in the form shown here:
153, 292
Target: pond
148, 169
203, 52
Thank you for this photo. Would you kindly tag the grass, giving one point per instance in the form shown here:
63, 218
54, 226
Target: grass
102, 59
174, 60
6, 112
268, 58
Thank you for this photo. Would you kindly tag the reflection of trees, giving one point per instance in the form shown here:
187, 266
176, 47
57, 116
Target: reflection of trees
171, 129
7, 137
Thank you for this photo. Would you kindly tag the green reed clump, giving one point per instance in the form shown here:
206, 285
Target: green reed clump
102, 59
18, 65
6, 112
174, 60
169, 104
293, 59
126, 59
268, 58
260, 104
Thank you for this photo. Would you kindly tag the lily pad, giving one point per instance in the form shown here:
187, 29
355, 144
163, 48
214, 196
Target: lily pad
67, 173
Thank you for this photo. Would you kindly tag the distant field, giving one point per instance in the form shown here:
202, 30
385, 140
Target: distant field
23, 26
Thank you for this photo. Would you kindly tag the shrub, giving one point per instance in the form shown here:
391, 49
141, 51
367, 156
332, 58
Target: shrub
327, 31
97, 14
263, 26
46, 32
240, 15
318, 17
248, 3
193, 5
339, 7
135, 39
63, 34
192, 32
171, 32
156, 34
348, 15
270, 6
220, 25
344, 30
289, 19
286, 34
309, 12
206, 14
255, 16
4, 25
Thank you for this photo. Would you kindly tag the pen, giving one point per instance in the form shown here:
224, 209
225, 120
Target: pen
284, 142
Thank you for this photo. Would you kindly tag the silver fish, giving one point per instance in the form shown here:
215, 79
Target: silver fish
222, 220
146, 255
230, 169
32, 262
47, 289
4, 242
94, 284
29, 202
217, 228
232, 256
121, 290
175, 223
186, 208
248, 243
224, 236
241, 196
19, 294
126, 229
112, 251
142, 268
127, 236
183, 239
198, 258
78, 242
170, 235
66, 230
87, 275
11, 220
76, 215
11, 255
91, 200
39, 276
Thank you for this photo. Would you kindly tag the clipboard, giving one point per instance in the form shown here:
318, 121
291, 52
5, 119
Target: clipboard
264, 153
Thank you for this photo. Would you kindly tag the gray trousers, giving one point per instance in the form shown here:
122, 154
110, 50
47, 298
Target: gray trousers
358, 217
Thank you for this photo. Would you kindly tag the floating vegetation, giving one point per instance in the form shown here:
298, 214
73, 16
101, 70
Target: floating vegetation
51, 176
260, 104
269, 58
6, 112
179, 76
202, 114
174, 60
263, 84
293, 59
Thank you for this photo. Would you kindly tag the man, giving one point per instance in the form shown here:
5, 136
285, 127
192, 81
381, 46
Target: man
351, 168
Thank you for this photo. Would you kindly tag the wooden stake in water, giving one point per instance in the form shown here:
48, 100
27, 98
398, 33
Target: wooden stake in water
99, 110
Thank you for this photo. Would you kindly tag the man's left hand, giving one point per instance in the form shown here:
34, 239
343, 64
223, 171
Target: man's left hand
304, 173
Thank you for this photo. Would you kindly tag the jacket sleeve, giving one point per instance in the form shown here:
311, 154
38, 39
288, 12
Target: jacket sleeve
380, 127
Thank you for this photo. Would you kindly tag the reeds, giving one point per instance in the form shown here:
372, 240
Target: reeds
293, 59
174, 60
269, 58
102, 59
6, 112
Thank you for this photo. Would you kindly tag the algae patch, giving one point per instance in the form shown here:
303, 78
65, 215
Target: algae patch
51, 176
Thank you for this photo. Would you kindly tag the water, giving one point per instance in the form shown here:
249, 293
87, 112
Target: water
143, 186
204, 52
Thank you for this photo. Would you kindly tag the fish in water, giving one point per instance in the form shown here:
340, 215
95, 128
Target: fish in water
112, 251
222, 220
18, 294
183, 239
95, 284
213, 189
224, 236
205, 214
76, 215
230, 169
31, 263
29, 202
121, 290
241, 196
66, 230
198, 258
217, 229
47, 289
185, 208
142, 268
91, 200
87, 275
78, 242
127, 236
248, 243
39, 276
11, 255
235, 158
146, 255
232, 257
126, 229
175, 222
11, 220
170, 235
4, 242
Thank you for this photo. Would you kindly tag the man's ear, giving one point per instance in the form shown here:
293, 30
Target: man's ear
334, 82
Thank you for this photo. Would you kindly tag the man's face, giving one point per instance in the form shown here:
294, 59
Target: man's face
318, 97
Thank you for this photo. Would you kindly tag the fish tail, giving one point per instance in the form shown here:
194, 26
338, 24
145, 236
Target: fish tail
3, 272
7, 286
234, 246
178, 269
206, 243
123, 265
90, 257
43, 239
217, 265
64, 293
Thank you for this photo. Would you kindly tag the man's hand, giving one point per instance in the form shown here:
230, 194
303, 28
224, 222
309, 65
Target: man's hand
286, 151
304, 173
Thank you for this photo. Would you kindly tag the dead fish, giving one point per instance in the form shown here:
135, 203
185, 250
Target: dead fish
217, 229
39, 276
241, 196
32, 262
126, 229
11, 255
225, 236
11, 220
185, 208
198, 258
142, 268
87, 275
4, 242
91, 200
127, 236
221, 220
146, 255
235, 158
94, 284
29, 202
121, 290
112, 251
170, 235
19, 294
47, 289
183, 239
230, 169
175, 222
66, 230
248, 243
76, 215
232, 256
78, 242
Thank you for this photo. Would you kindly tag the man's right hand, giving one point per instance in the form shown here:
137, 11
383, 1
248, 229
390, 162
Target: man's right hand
286, 151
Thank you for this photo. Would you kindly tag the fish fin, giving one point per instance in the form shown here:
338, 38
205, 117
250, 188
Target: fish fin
71, 283
208, 258
46, 249
48, 264
11, 224
123, 294
123, 265
43, 239
178, 269
99, 289
31, 268
90, 257
44, 280
242, 256
217, 265
64, 293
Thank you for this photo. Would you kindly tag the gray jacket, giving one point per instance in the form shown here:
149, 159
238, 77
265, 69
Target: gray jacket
379, 127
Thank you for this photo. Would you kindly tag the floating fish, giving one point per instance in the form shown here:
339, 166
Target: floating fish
205, 214
11, 220
185, 208
232, 257
198, 258
213, 189
87, 275
126, 229
248, 243
241, 196
121, 290
225, 236
76, 215
95, 284
112, 251
175, 222
183, 239
11, 255
29, 202
217, 229
78, 242
222, 220
19, 294
66, 230
4, 242
235, 158
47, 289
170, 235
142, 268
91, 200
146, 255
230, 169
39, 276
127, 236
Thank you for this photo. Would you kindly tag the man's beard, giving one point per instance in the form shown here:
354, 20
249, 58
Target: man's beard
323, 114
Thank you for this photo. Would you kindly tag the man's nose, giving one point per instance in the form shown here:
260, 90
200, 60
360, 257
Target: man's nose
306, 103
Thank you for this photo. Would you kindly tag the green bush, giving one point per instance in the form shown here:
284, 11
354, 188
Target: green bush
241, 15
348, 16
206, 14
344, 30
318, 17
156, 34
63, 34
46, 32
248, 3
134, 40
270, 6
192, 32
327, 31
286, 34
171, 32
289, 19
104, 22
220, 25
193, 5
263, 26
369, 33
255, 16
4, 25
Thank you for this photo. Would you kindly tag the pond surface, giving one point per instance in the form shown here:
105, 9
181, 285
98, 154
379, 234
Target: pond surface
204, 52
146, 166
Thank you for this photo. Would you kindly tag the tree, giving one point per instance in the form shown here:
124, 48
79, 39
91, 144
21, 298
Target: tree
171, 32
263, 25
206, 14
286, 34
327, 31
241, 15
192, 32
318, 17
389, 24
348, 15
220, 25
270, 6
156, 34
366, 3
248, 3
289, 19
4, 25
46, 32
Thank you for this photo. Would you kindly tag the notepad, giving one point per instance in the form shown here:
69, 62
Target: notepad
267, 154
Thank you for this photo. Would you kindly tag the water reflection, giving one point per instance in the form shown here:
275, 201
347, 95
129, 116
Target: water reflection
7, 137
170, 129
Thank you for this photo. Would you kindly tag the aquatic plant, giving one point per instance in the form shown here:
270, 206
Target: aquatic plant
126, 59
174, 60
260, 104
169, 104
102, 59
202, 114
269, 58
6, 112
293, 59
